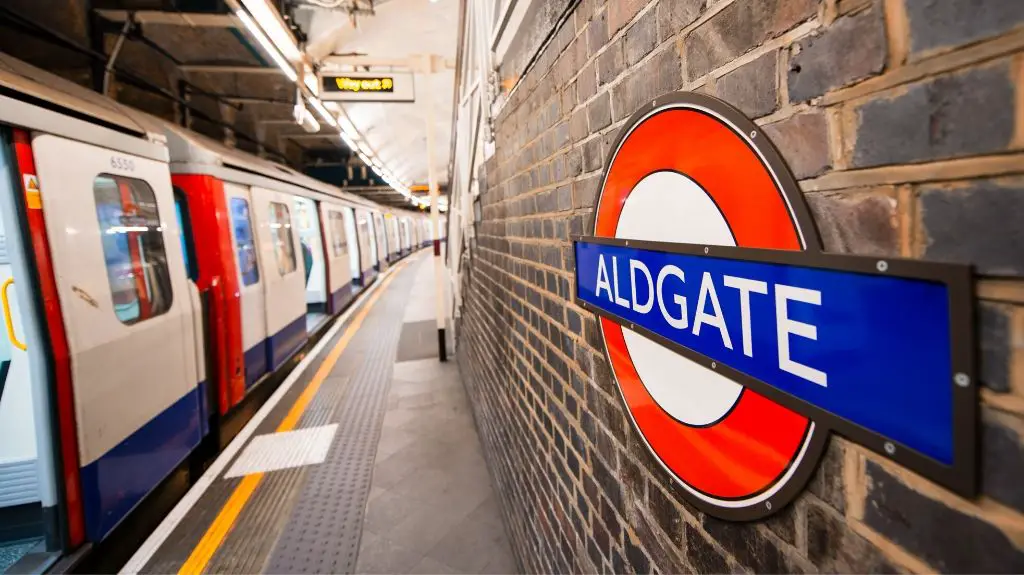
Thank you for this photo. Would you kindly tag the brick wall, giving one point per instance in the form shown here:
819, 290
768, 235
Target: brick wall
903, 121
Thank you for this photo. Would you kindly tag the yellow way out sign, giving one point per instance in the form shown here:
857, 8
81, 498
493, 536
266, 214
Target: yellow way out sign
367, 87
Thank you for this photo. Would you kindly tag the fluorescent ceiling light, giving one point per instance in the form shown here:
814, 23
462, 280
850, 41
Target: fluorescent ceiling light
276, 56
348, 126
312, 83
270, 21
348, 141
324, 112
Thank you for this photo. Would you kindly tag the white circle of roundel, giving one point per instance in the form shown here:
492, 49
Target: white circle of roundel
670, 207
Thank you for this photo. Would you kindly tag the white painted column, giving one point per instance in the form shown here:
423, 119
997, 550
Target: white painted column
435, 225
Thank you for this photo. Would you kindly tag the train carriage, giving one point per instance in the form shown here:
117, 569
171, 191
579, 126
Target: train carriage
152, 280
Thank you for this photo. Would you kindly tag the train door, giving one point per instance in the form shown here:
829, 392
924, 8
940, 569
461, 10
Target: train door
253, 300
339, 273
27, 482
353, 253
364, 235
371, 235
393, 241
382, 242
406, 239
307, 217
202, 339
284, 276
124, 296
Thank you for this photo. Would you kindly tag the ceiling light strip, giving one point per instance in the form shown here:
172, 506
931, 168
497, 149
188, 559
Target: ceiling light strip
269, 48
274, 46
271, 23
322, 111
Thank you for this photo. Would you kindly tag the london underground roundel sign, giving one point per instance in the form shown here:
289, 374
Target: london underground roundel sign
726, 333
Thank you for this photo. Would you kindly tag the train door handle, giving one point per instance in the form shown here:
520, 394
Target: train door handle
8, 319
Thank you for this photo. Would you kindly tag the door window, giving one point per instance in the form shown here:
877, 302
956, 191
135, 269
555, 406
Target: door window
339, 243
281, 233
243, 238
133, 248
379, 228
364, 232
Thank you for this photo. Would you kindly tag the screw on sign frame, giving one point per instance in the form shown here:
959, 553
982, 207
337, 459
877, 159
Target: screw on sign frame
691, 176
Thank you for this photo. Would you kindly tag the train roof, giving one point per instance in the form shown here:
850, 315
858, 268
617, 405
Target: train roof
192, 152
36, 99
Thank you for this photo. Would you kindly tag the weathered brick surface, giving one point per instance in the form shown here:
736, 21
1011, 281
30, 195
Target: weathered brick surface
641, 37
753, 87
740, 27
942, 24
599, 112
1002, 459
863, 224
940, 118
803, 141
834, 547
977, 223
946, 539
674, 15
828, 482
659, 75
580, 490
994, 343
703, 556
852, 49
610, 63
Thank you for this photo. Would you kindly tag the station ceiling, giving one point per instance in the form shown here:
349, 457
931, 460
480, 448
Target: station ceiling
397, 30
191, 60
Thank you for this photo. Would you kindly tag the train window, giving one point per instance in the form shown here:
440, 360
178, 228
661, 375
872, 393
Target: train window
281, 232
185, 233
339, 243
133, 247
243, 238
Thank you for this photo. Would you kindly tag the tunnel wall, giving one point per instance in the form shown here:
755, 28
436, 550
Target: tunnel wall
903, 120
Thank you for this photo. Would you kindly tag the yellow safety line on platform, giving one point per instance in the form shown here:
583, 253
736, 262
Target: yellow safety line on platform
225, 520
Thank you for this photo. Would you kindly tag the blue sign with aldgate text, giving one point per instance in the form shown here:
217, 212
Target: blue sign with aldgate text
870, 349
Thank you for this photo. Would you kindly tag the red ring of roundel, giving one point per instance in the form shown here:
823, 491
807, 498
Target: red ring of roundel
751, 448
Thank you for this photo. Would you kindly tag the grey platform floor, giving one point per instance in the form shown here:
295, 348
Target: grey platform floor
431, 507
403, 487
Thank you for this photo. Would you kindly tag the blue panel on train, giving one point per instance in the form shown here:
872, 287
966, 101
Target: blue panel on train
871, 349
116, 482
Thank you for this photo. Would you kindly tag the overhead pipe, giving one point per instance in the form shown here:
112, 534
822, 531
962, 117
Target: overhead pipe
108, 70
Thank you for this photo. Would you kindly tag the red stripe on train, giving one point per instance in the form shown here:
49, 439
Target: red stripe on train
211, 229
59, 347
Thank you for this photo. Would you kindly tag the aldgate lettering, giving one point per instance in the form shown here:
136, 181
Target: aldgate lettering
665, 289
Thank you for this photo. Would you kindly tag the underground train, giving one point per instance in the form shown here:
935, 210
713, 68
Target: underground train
153, 280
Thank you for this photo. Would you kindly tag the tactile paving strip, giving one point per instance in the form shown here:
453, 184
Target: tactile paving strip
322, 535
